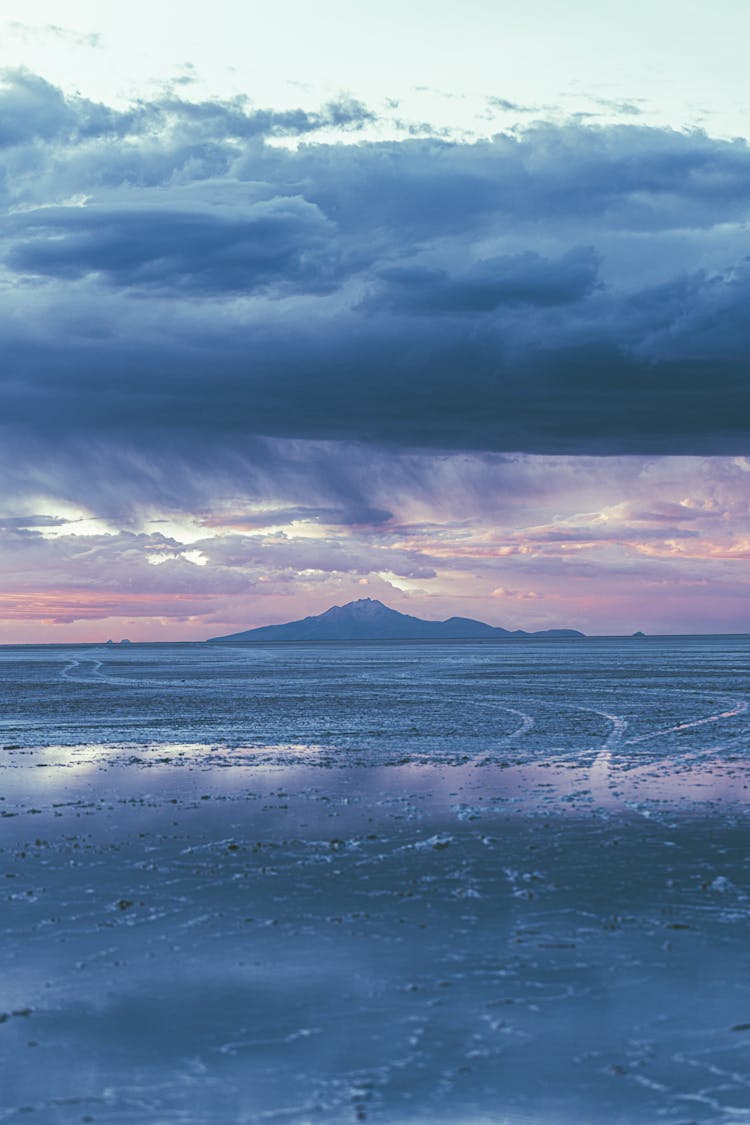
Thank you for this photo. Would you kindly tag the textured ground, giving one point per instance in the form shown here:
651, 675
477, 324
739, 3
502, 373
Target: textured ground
464, 884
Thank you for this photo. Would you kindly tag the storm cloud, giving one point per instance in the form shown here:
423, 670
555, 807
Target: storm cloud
186, 282
279, 244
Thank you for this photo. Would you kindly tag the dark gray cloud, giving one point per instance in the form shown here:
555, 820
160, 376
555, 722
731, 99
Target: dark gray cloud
184, 294
33, 110
281, 243
236, 119
514, 279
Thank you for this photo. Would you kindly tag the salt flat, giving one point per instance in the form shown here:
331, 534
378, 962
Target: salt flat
393, 883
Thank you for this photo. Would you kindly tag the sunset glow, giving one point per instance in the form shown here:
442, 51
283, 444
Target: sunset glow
474, 338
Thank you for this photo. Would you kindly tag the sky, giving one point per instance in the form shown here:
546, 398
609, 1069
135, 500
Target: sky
440, 304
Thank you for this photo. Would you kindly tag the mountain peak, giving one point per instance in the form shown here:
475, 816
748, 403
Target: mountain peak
366, 605
367, 619
361, 610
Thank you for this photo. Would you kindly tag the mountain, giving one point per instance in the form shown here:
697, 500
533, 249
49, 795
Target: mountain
370, 620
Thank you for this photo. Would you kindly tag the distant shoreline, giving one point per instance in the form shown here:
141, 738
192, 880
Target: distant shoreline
485, 642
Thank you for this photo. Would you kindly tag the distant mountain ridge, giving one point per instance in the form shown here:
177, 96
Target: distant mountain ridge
369, 620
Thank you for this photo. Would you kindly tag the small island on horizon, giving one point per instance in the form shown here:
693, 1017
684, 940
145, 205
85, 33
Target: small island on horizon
370, 620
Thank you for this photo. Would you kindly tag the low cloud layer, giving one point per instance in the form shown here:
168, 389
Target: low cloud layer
174, 278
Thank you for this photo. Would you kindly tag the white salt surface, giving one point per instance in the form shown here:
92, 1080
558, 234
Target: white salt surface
418, 883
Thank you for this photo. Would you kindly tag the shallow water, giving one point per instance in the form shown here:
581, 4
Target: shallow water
389, 883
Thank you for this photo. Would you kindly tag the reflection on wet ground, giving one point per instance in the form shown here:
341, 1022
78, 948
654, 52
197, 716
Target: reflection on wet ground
551, 927
188, 941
